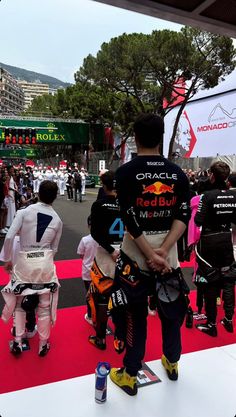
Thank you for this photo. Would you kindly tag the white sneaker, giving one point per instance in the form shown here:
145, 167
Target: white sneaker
3, 232
88, 319
6, 229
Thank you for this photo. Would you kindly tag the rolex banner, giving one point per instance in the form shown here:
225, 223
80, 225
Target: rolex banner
207, 127
19, 153
46, 131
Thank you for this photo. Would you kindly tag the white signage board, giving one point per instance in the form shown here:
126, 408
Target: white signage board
102, 165
207, 127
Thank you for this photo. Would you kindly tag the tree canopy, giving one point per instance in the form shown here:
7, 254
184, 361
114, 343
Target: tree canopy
134, 73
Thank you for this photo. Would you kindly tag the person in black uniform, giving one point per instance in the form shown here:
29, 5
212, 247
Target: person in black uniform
154, 199
101, 192
107, 230
77, 180
69, 186
216, 213
232, 186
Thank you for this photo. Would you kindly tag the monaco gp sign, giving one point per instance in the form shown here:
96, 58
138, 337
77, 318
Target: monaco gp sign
207, 127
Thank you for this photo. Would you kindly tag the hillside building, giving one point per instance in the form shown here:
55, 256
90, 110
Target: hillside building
53, 91
11, 94
32, 90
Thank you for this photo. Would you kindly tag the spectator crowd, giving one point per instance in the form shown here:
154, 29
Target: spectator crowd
19, 188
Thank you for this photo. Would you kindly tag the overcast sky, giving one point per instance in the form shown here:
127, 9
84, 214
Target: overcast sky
54, 36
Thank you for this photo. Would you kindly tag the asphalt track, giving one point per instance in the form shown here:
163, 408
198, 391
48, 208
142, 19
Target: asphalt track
74, 217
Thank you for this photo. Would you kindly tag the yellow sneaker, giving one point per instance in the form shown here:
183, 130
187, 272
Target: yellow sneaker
171, 368
126, 382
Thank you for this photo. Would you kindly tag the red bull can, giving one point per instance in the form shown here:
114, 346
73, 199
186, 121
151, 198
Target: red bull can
101, 372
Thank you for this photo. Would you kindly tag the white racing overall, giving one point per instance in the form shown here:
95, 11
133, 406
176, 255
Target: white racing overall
31, 274
39, 229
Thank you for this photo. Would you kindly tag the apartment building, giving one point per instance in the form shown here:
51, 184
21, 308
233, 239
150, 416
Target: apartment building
32, 90
11, 94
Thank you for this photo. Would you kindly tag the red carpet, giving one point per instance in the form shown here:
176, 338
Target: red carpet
72, 356
69, 269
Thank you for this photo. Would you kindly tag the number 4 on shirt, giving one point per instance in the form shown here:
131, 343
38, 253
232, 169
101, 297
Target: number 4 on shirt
117, 228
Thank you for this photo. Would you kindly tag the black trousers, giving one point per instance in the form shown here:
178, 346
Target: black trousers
134, 323
212, 292
69, 190
101, 306
78, 189
30, 320
228, 298
200, 297
136, 335
172, 317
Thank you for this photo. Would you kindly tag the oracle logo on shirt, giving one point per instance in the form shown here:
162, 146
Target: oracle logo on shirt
159, 176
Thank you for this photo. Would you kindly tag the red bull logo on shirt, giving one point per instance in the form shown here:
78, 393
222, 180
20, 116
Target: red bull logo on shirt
158, 188
156, 202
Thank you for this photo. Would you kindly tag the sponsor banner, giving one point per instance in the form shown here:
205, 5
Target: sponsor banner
19, 153
207, 127
52, 132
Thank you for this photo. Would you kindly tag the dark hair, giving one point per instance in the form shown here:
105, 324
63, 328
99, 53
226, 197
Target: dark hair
203, 185
89, 220
149, 130
107, 179
220, 170
232, 179
48, 191
9, 167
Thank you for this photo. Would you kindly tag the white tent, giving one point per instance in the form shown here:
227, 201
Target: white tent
228, 84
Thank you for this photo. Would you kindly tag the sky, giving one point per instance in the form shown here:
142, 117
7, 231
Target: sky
54, 36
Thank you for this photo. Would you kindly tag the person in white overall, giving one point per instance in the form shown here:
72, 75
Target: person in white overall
39, 228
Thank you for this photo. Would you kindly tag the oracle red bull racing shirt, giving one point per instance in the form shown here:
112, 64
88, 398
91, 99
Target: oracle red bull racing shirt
152, 192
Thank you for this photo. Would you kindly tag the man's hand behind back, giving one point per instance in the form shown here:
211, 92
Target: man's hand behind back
158, 262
